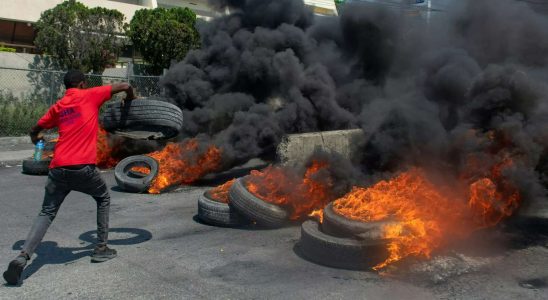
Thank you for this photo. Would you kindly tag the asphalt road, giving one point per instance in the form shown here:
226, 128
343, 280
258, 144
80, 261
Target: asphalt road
165, 253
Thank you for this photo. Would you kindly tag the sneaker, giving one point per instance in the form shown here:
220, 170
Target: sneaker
15, 268
102, 253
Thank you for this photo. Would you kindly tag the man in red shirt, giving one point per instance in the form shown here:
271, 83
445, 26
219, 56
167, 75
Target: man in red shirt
73, 164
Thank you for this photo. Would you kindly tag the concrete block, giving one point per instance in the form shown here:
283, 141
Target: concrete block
295, 148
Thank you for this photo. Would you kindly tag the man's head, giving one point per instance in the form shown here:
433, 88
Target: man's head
74, 79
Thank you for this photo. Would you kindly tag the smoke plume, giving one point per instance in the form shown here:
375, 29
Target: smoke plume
470, 82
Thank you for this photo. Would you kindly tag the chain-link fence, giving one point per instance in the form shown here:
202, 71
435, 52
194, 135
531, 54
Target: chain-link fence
26, 94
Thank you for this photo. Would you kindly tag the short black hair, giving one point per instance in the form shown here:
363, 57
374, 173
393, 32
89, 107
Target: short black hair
73, 78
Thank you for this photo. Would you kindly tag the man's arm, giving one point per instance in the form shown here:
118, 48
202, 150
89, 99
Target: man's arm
48, 120
36, 134
123, 87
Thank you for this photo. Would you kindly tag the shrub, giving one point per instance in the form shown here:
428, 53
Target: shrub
6, 49
163, 35
17, 116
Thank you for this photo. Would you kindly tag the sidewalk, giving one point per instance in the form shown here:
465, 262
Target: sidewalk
13, 150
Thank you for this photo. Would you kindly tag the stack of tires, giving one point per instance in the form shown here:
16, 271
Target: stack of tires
343, 243
241, 208
335, 242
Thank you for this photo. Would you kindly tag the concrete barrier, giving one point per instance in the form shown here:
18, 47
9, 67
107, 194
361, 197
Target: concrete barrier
295, 148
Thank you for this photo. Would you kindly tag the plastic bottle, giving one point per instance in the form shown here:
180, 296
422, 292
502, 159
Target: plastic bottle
38, 149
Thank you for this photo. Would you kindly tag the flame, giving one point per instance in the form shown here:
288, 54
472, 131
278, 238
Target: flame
49, 154
271, 185
300, 196
183, 163
427, 215
104, 151
495, 198
317, 214
220, 193
143, 170
422, 212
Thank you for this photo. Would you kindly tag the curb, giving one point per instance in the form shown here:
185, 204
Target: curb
13, 140
11, 163
11, 158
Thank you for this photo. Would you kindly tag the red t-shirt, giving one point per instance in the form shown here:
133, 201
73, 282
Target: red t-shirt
77, 116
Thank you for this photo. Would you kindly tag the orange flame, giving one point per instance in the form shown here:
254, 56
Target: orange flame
104, 151
49, 154
317, 214
422, 210
220, 193
426, 213
183, 163
279, 186
495, 198
139, 169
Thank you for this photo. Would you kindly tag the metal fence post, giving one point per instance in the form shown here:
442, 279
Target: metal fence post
51, 84
129, 70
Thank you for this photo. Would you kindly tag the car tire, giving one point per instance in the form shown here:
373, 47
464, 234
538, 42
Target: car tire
340, 226
135, 184
35, 167
218, 213
262, 213
338, 252
144, 118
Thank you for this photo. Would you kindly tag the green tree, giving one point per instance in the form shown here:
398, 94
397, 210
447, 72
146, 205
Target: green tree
89, 39
162, 35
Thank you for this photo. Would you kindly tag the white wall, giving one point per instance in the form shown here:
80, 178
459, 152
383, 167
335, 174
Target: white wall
30, 10
16, 60
17, 82
329, 4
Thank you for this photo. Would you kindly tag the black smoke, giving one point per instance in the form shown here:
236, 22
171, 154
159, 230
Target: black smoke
471, 80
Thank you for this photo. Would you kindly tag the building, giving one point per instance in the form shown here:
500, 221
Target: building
419, 9
17, 17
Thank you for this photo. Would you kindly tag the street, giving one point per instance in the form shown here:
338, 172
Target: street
163, 252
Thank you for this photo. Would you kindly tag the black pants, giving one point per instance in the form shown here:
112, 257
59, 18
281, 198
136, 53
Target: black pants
60, 182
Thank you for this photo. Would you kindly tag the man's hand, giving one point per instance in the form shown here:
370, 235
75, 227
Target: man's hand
36, 134
123, 87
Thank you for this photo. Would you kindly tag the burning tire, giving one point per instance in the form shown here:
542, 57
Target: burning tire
36, 167
135, 184
340, 226
255, 209
218, 213
338, 252
143, 119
